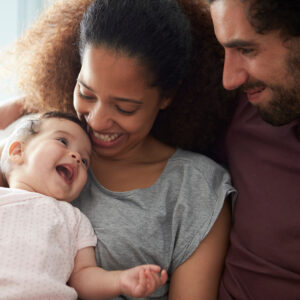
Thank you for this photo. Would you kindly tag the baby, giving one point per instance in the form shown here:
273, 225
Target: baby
46, 244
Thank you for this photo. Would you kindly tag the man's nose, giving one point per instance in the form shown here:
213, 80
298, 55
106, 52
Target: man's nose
234, 71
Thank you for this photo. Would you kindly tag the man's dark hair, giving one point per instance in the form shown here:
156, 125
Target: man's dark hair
269, 15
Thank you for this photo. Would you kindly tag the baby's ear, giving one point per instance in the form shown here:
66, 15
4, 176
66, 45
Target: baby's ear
15, 152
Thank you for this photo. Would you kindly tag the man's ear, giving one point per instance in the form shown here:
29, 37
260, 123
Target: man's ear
15, 152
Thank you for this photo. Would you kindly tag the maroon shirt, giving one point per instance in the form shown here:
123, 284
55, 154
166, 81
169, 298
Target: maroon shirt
263, 262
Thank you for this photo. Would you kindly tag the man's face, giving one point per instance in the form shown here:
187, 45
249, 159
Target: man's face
265, 67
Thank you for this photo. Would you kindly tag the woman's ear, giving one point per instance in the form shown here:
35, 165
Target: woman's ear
167, 97
165, 102
15, 152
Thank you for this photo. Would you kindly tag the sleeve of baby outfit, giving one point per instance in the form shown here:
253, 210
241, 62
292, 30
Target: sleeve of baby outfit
85, 236
201, 196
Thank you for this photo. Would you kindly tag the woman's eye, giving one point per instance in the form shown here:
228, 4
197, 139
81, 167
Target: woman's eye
81, 95
85, 162
63, 140
125, 112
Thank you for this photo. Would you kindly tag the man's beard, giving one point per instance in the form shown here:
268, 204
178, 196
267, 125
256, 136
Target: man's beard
284, 106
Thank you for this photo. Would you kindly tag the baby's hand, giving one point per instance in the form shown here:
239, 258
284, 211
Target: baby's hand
141, 281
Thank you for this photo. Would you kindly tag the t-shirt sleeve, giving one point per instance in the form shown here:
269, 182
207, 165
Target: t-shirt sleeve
85, 235
200, 199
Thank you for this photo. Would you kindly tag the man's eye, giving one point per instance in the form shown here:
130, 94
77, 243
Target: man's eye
63, 140
85, 162
246, 51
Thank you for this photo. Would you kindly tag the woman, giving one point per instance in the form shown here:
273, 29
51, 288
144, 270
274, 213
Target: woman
149, 202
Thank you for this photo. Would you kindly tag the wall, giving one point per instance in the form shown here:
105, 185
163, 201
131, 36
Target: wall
15, 17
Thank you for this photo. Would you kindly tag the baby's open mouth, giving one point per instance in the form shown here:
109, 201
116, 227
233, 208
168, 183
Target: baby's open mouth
67, 172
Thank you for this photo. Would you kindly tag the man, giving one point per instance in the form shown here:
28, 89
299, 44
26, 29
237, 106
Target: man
261, 39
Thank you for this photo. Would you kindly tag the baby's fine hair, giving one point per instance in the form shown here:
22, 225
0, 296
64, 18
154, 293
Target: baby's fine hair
27, 129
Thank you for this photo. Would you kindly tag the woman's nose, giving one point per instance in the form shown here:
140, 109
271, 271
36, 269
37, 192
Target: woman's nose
100, 117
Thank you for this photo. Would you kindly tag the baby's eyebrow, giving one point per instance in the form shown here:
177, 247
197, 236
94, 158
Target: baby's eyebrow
64, 132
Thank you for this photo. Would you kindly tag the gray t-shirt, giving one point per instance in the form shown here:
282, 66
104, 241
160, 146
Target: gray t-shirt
162, 224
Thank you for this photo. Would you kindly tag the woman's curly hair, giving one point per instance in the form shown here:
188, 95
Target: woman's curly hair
49, 63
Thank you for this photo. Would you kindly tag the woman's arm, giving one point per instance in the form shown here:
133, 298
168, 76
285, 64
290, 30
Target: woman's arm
10, 115
10, 111
92, 282
199, 276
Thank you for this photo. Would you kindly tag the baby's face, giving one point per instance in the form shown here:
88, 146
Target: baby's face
57, 159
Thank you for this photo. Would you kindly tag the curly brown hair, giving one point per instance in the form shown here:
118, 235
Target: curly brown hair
49, 62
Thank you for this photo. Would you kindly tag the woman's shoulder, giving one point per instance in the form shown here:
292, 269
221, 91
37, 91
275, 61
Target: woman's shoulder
196, 162
197, 172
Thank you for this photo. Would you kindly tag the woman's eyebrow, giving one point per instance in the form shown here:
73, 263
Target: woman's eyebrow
82, 83
116, 98
128, 100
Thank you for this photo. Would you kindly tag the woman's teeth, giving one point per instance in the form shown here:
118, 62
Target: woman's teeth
106, 137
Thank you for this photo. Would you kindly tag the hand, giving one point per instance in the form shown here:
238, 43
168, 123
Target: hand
141, 281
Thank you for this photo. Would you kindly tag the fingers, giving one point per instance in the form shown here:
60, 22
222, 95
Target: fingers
153, 268
142, 282
163, 277
155, 278
156, 269
157, 273
149, 278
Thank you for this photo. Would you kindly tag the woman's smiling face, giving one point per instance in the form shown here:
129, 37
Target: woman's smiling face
114, 94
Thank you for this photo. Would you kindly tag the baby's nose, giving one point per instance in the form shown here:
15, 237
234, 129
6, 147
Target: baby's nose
76, 156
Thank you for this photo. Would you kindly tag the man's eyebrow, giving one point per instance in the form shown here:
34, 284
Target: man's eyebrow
239, 43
